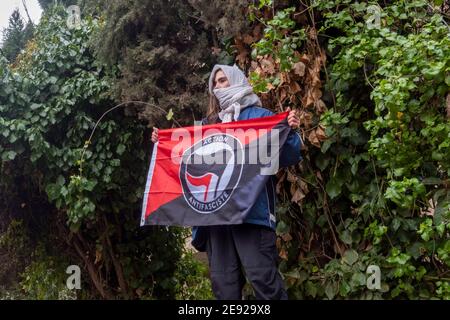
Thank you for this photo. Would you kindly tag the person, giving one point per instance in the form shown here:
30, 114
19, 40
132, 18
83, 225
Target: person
249, 247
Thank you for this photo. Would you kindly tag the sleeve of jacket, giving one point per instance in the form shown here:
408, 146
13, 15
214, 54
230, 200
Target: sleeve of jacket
290, 152
199, 238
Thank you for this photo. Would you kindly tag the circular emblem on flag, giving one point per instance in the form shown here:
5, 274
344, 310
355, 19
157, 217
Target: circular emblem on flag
210, 170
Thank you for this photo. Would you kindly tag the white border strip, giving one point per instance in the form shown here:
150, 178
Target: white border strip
149, 181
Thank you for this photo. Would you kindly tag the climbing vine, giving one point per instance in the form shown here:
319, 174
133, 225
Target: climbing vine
50, 99
373, 188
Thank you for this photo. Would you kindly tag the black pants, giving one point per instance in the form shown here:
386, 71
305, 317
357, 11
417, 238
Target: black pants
251, 248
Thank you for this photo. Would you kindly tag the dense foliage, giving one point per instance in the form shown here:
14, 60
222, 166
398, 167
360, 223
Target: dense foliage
374, 186
49, 102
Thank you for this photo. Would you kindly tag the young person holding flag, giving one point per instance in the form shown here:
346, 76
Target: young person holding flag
248, 248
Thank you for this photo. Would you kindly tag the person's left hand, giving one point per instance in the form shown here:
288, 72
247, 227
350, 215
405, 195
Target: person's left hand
293, 120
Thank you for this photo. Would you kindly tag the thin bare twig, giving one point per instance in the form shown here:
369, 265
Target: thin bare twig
86, 145
365, 75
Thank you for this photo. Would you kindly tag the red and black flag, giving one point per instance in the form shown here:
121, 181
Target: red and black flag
211, 174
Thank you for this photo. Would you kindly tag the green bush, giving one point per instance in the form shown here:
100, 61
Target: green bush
192, 278
50, 100
379, 182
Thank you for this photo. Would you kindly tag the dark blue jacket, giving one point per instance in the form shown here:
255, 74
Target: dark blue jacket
263, 211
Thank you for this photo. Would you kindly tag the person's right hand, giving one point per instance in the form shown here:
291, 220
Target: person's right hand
155, 135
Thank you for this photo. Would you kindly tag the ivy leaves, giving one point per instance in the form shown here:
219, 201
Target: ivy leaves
404, 63
384, 164
50, 101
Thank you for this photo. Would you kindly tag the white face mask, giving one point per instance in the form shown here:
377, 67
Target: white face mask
232, 94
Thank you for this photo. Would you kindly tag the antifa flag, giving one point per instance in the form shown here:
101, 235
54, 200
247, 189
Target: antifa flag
211, 174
